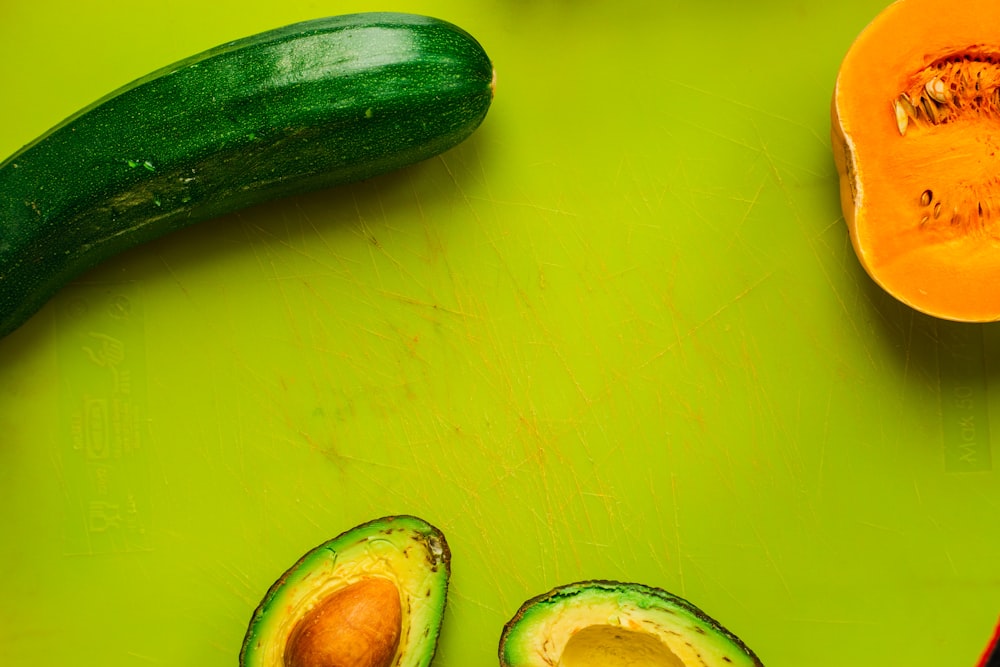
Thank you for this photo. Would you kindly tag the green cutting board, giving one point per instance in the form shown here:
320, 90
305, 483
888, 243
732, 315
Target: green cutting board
619, 333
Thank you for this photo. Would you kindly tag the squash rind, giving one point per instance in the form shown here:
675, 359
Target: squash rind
944, 270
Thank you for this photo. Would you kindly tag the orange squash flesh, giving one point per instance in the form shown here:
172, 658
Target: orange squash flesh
919, 182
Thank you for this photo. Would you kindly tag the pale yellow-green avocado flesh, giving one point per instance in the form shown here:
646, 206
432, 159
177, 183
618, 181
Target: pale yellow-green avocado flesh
613, 646
404, 550
614, 624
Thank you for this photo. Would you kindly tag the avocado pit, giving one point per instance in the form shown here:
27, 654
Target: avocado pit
356, 626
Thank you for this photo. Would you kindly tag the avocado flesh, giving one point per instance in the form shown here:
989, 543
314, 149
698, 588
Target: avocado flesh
614, 646
402, 549
615, 624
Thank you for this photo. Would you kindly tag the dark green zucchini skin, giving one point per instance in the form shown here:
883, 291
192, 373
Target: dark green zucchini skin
303, 107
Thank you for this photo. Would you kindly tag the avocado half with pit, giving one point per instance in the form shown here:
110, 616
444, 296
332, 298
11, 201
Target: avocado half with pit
373, 596
615, 624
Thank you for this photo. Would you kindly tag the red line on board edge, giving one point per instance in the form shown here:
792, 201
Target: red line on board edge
991, 656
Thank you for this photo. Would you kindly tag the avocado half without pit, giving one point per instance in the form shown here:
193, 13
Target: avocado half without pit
373, 596
614, 624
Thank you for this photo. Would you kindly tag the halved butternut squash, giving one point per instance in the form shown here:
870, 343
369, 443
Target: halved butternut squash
916, 136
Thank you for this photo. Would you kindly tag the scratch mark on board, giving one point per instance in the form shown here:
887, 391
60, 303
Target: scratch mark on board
677, 534
810, 129
693, 330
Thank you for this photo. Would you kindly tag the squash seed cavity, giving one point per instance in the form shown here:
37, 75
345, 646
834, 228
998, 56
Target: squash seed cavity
969, 211
956, 86
963, 86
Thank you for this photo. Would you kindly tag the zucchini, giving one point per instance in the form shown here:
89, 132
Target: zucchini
299, 108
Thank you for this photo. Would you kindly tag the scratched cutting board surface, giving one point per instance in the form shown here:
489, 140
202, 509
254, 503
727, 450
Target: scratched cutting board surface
620, 333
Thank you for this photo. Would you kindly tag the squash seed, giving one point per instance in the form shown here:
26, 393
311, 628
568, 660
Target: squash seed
937, 210
902, 119
936, 89
930, 108
904, 101
925, 198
